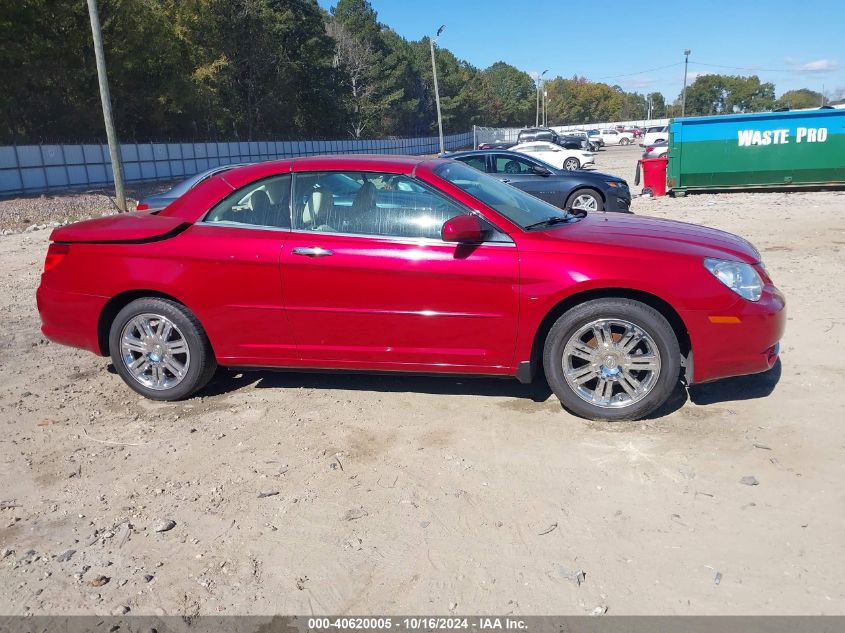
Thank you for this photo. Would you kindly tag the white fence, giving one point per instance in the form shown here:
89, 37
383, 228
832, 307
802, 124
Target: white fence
39, 168
489, 134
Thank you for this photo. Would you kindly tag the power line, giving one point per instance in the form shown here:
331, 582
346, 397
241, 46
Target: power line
754, 68
639, 72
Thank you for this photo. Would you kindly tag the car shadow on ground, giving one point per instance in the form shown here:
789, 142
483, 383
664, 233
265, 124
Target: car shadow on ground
226, 381
739, 388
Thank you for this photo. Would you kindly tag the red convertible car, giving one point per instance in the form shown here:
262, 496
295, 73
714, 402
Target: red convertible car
383, 263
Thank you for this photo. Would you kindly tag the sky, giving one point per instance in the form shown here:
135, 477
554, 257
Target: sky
792, 44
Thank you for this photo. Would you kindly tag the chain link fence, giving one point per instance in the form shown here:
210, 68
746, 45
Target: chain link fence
26, 169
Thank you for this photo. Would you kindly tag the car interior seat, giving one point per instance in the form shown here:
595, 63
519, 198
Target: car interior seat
319, 210
259, 203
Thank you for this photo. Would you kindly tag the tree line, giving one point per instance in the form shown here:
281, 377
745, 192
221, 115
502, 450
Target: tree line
253, 69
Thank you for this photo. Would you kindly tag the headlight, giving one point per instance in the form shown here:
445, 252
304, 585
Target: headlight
739, 277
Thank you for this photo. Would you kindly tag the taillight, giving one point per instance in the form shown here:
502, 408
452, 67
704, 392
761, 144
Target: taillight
55, 254
649, 149
142, 206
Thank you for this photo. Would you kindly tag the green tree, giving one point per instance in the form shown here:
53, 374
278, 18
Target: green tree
724, 94
799, 99
509, 94
658, 105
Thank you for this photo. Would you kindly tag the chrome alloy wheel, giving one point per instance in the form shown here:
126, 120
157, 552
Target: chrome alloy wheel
585, 203
154, 351
611, 363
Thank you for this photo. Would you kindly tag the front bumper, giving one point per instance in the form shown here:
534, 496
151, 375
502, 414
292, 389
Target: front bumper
740, 341
70, 318
618, 200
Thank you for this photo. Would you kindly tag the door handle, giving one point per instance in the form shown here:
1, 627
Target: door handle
312, 251
505, 180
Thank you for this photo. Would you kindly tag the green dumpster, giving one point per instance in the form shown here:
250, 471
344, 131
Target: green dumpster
802, 148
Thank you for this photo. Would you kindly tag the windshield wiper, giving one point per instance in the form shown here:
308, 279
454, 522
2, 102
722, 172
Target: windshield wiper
551, 221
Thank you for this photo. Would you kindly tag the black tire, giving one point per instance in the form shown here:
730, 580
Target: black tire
573, 163
641, 315
202, 363
624, 141
595, 195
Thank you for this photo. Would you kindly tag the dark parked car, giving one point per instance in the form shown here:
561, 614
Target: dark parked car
161, 200
587, 190
536, 134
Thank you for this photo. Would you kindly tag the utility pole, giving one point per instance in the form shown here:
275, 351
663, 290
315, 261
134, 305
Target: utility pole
105, 97
539, 79
436, 91
684, 95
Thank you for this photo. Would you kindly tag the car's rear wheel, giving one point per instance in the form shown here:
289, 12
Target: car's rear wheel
160, 349
571, 164
624, 141
585, 200
612, 359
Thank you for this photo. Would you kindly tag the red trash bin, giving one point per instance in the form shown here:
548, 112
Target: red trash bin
654, 174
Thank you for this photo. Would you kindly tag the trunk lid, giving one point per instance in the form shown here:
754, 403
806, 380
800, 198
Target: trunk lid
125, 227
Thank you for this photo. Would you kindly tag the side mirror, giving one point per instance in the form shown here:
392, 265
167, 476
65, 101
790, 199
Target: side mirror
540, 170
461, 228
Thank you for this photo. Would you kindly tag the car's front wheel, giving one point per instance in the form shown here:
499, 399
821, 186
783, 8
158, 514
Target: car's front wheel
571, 164
585, 200
624, 141
612, 359
160, 349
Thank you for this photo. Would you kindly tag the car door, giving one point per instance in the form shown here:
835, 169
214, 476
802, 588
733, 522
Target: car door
231, 271
368, 283
519, 172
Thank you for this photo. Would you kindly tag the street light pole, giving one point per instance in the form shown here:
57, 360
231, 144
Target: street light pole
436, 90
105, 98
684, 94
539, 80
545, 120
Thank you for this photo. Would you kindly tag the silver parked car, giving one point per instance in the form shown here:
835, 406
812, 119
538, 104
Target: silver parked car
656, 150
158, 201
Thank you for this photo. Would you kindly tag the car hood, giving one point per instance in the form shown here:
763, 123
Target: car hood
592, 175
641, 232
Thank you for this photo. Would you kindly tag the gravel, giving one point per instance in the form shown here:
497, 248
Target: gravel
53, 209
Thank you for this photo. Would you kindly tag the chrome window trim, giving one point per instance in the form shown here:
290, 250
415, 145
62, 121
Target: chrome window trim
420, 241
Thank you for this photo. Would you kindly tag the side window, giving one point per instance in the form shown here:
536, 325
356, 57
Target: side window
476, 162
265, 203
512, 165
369, 203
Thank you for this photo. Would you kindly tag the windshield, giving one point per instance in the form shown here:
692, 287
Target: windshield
517, 206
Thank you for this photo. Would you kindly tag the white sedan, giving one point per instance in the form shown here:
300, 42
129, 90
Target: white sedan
556, 155
615, 137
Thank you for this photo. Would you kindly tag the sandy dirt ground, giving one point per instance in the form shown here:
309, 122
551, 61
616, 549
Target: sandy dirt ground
349, 494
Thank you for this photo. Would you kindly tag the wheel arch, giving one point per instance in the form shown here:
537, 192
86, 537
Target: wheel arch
662, 306
590, 188
116, 304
